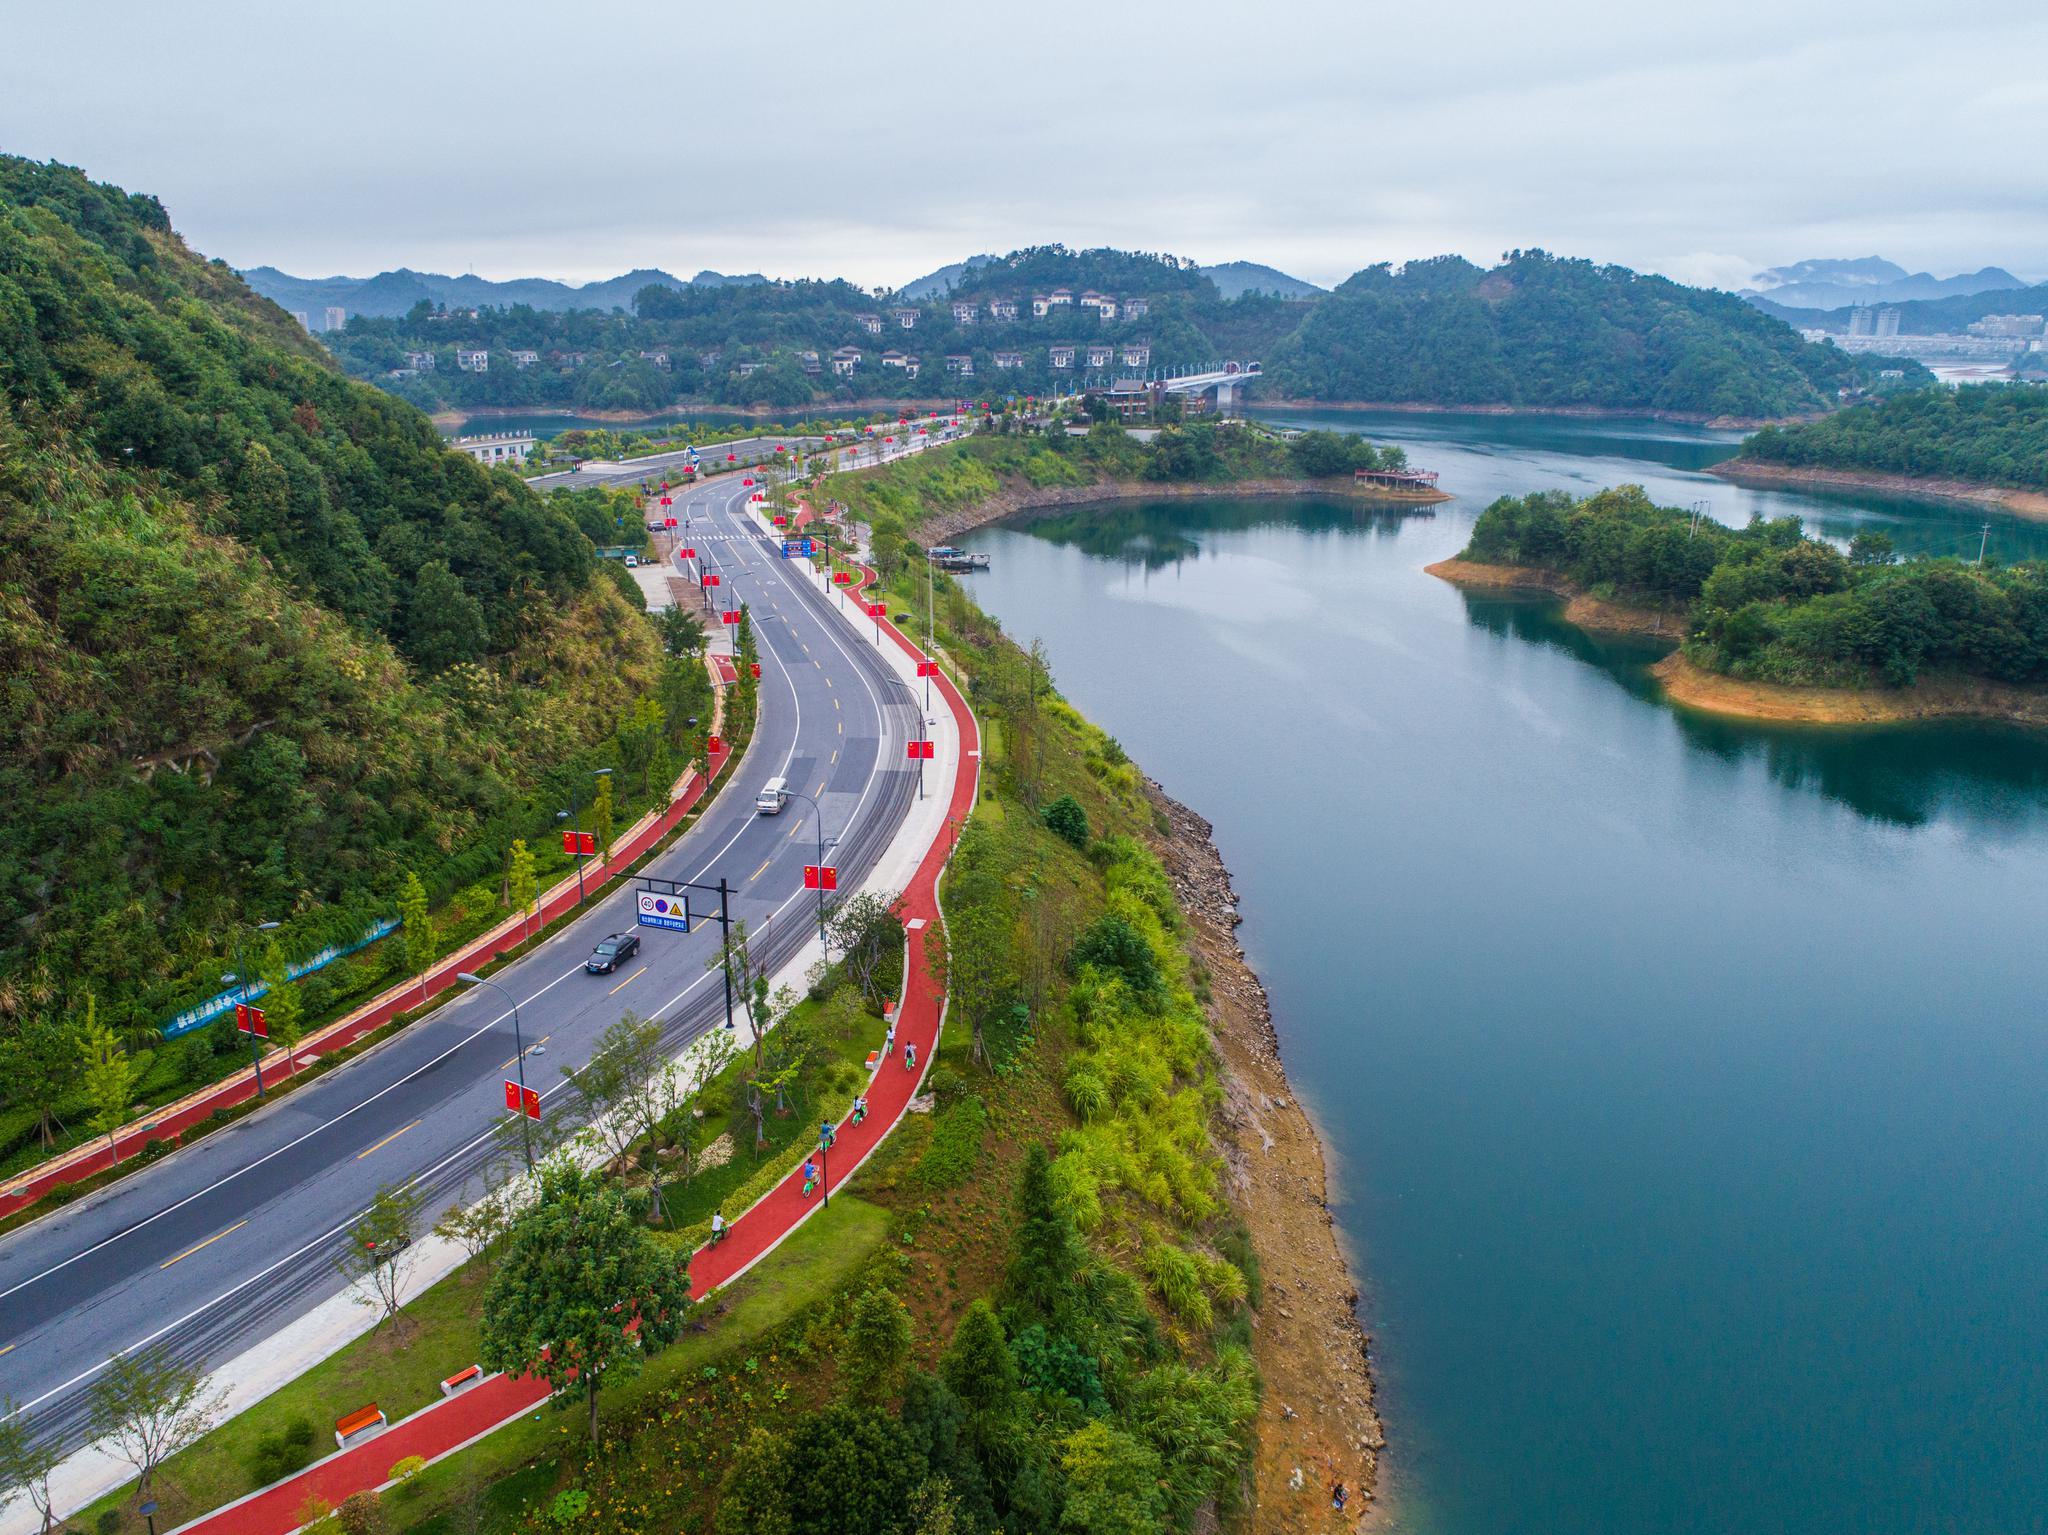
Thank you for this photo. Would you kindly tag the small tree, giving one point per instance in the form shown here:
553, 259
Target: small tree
1047, 1256
606, 1090
40, 1062
582, 1294
1065, 819
379, 1257
601, 819
149, 1405
26, 1463
476, 1227
877, 1344
978, 975
522, 888
417, 930
109, 1076
284, 1006
866, 931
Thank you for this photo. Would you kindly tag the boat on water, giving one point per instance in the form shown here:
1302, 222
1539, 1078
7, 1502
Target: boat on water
947, 558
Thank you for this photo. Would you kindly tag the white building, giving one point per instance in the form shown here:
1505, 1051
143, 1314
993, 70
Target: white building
524, 360
1002, 309
1009, 360
845, 360
496, 447
871, 323
472, 362
965, 311
1137, 355
961, 363
337, 317
420, 362
1062, 357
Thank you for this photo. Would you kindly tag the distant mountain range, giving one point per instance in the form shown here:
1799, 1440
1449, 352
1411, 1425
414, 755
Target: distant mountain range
391, 294
1829, 283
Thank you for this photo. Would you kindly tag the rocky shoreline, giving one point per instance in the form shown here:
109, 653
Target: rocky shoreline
1019, 496
2031, 504
1318, 1423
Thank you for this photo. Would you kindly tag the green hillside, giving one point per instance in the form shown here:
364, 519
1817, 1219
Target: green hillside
1540, 331
266, 644
1993, 436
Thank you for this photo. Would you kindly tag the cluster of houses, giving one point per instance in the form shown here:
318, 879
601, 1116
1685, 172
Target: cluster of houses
1134, 354
478, 360
999, 310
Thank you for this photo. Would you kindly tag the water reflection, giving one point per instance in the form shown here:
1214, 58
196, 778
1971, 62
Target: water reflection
1154, 534
1903, 775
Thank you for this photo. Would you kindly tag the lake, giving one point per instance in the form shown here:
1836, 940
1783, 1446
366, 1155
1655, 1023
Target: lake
1683, 1080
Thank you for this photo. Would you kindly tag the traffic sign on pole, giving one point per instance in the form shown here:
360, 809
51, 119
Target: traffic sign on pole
666, 911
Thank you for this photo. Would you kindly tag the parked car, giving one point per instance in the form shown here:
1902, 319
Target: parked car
632, 561
611, 952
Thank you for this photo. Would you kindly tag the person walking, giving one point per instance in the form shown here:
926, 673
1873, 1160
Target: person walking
810, 1176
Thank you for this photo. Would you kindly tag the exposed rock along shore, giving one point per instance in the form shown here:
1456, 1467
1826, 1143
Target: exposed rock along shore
1317, 1424
1019, 495
1935, 696
2022, 503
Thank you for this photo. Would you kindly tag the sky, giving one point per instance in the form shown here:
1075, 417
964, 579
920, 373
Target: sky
1705, 141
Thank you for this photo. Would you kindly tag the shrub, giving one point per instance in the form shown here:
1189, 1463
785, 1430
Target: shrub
1065, 819
945, 1084
278, 1454
955, 1146
1112, 943
361, 1514
1179, 1283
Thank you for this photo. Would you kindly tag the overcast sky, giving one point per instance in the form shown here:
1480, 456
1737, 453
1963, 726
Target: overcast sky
1704, 140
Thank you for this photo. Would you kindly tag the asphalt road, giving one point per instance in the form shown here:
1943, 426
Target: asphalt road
218, 1246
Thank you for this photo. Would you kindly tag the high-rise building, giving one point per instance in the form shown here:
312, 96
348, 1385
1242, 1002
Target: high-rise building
305, 323
1888, 322
1862, 321
337, 317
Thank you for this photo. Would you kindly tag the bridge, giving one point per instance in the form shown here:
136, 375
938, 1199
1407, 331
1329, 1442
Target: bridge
1223, 380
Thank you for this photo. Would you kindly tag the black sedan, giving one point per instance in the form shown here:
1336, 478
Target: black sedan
612, 952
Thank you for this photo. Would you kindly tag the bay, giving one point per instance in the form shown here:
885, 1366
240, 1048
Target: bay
1682, 1078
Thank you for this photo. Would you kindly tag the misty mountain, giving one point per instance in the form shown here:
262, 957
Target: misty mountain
1829, 283
945, 279
390, 294
1234, 279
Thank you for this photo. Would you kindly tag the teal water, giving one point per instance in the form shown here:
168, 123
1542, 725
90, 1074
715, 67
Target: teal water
1684, 1080
545, 424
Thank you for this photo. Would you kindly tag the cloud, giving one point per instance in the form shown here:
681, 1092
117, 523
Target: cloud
810, 139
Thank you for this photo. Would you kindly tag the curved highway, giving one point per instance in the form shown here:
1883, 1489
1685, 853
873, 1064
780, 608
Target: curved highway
219, 1246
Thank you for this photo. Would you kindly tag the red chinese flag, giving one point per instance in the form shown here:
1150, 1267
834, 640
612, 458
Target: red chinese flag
842, 577
877, 609
732, 458
730, 616
828, 878
918, 749
757, 667
586, 842
669, 522
689, 554
532, 1103
512, 1096
713, 578
781, 521
664, 484
746, 482
666, 500
569, 843
713, 745
810, 876
927, 668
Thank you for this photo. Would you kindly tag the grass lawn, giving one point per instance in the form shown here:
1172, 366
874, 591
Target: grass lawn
402, 1372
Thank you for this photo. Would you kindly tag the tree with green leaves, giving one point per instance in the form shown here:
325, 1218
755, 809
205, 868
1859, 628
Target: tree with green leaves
416, 930
379, 1256
149, 1405
582, 1295
1113, 1482
284, 1005
26, 1462
40, 1062
1047, 1255
109, 1076
866, 930
522, 886
1065, 819
877, 1344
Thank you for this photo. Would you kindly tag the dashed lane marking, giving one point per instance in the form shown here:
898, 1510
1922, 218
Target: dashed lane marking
760, 871
628, 981
394, 1135
188, 1252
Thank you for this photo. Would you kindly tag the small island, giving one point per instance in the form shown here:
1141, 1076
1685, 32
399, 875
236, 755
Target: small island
1985, 444
1769, 623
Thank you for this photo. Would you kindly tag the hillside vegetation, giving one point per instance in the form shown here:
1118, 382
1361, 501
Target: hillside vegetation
1540, 331
1765, 603
267, 645
1994, 436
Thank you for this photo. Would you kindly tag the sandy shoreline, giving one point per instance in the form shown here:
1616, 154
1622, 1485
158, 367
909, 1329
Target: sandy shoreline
2032, 504
1936, 696
1318, 1414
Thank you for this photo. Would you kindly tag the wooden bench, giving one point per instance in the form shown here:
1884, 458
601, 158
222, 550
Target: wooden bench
462, 1380
360, 1424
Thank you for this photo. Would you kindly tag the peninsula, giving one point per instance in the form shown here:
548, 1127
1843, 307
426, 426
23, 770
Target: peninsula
1769, 623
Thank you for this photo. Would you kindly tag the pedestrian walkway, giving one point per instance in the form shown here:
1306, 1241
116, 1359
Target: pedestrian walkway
445, 1427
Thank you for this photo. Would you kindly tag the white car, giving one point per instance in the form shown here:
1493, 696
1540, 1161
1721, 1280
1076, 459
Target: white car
632, 561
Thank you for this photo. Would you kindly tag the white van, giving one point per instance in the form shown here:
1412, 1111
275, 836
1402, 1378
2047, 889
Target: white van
773, 796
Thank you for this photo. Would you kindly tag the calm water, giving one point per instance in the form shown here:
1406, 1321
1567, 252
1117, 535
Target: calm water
1684, 1080
545, 424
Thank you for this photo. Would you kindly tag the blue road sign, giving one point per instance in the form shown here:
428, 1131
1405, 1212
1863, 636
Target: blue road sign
669, 911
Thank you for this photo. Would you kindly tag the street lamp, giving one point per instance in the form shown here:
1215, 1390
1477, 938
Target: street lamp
519, 1060
574, 815
900, 683
825, 1163
818, 818
240, 978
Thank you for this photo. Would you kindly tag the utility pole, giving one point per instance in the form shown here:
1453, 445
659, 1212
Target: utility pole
241, 980
1983, 542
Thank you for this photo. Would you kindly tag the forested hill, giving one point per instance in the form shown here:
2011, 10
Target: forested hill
266, 644
1540, 331
1995, 436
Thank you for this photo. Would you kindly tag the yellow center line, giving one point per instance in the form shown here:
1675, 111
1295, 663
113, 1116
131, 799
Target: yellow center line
762, 870
10, 1348
394, 1135
628, 981
529, 1050
188, 1252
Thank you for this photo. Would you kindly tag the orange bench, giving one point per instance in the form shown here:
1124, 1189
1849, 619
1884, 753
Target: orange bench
360, 1424
462, 1380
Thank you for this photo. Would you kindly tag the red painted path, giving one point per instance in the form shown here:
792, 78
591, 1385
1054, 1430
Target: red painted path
446, 1426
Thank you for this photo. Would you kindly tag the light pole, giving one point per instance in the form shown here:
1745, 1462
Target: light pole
518, 1061
241, 981
574, 815
825, 1163
818, 817
900, 683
